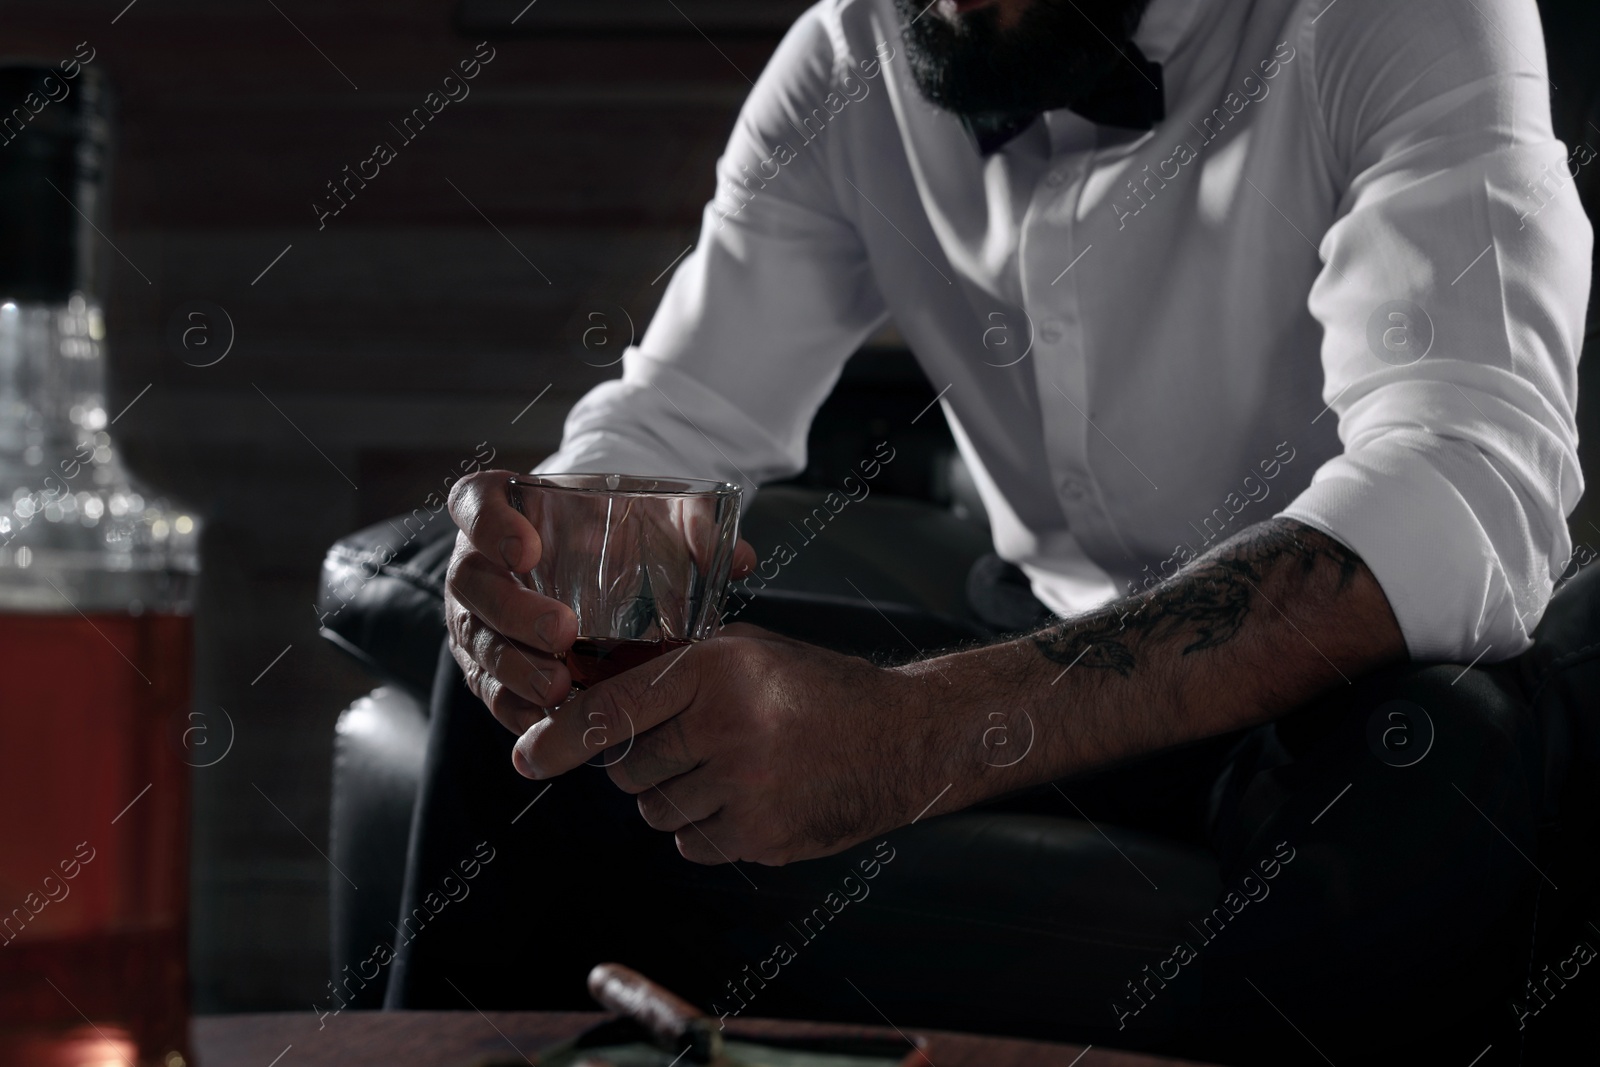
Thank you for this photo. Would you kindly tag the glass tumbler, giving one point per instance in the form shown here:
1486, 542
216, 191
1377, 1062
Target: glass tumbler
642, 562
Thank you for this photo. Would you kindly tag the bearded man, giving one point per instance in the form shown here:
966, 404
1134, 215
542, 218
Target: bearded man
1323, 245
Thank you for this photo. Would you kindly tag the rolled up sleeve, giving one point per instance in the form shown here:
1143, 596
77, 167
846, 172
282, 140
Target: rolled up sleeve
1452, 300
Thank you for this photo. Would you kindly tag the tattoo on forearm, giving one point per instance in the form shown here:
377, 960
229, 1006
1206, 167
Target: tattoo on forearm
1206, 605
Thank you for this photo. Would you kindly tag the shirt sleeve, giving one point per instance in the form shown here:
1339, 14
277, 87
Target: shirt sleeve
1452, 298
758, 320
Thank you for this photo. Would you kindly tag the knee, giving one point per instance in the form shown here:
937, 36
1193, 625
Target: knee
1421, 765
1440, 722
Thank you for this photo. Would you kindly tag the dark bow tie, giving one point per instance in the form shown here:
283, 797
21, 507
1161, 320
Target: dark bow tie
1130, 96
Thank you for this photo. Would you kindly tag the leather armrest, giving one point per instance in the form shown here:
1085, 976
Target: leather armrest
381, 597
378, 749
1561, 675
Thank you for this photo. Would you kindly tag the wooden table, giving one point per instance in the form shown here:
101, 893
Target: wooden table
459, 1038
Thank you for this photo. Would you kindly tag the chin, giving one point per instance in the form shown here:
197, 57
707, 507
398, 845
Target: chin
983, 56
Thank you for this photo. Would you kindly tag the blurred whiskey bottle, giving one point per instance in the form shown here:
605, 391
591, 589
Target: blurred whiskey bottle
97, 578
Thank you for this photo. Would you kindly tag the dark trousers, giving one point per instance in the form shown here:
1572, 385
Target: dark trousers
1354, 882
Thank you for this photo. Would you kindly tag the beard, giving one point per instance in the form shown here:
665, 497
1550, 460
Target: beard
1053, 56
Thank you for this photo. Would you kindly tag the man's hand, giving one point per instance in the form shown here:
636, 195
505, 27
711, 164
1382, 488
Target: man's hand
506, 637
753, 747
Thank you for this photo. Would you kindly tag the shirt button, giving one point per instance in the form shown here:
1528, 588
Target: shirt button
1073, 489
1055, 179
1051, 331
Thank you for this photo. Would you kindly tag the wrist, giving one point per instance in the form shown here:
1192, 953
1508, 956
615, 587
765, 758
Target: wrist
924, 771
972, 733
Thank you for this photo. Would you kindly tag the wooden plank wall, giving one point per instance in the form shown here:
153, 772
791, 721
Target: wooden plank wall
377, 351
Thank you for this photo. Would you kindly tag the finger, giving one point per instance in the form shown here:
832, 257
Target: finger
624, 706
481, 504
531, 674
603, 737
744, 559
656, 756
492, 593
511, 710
707, 841
675, 804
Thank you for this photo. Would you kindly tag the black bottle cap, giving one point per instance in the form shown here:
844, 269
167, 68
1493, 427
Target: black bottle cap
54, 148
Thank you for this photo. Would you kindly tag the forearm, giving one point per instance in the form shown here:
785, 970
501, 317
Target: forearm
1264, 622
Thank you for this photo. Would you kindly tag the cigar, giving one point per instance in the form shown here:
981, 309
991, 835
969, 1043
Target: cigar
671, 1020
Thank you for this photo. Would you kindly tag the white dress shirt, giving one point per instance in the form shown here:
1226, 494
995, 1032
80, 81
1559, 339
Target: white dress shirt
1343, 281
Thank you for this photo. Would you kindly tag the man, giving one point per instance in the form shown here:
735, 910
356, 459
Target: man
1325, 249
